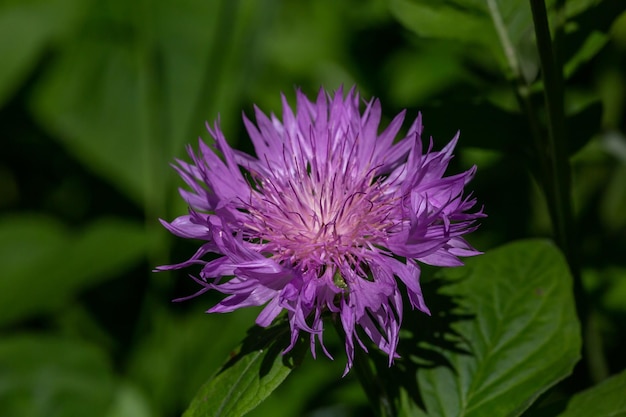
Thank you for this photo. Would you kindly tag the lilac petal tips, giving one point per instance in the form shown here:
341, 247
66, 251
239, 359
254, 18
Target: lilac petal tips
331, 218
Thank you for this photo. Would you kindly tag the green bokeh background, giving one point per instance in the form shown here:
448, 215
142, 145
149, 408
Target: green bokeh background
97, 98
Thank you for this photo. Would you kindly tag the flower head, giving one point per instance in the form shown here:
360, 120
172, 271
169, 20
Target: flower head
329, 217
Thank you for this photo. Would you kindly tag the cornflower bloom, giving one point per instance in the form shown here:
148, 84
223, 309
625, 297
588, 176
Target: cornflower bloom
329, 217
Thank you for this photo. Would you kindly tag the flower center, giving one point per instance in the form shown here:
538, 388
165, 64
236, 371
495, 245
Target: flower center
310, 221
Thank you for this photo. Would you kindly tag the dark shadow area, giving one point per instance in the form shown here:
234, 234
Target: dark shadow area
423, 342
272, 340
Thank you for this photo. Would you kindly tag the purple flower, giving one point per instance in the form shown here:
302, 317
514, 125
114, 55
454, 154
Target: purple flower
329, 217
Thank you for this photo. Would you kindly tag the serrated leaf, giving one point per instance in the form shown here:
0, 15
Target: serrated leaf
45, 264
524, 336
606, 399
45, 376
249, 377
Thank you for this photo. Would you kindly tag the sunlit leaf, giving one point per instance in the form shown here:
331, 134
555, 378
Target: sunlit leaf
302, 392
523, 338
249, 377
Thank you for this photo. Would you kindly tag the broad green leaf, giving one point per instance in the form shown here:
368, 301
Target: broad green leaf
44, 264
45, 376
523, 336
249, 377
606, 399
141, 79
35, 24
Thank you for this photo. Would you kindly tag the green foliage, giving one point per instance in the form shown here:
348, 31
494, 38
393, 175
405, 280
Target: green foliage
53, 377
522, 338
97, 98
249, 376
45, 265
183, 351
499, 32
122, 95
36, 24
604, 400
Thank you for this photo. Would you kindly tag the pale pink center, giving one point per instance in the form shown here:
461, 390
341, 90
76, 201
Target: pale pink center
311, 222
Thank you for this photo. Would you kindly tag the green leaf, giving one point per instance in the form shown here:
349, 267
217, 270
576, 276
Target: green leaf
502, 29
456, 20
36, 24
302, 392
606, 399
523, 337
45, 376
249, 377
140, 80
592, 45
44, 264
410, 74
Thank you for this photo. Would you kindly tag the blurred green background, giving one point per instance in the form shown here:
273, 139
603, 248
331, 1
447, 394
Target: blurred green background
97, 98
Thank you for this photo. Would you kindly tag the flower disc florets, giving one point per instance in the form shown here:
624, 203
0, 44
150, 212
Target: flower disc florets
328, 217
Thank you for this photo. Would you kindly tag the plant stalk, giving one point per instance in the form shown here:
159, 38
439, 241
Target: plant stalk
556, 178
372, 385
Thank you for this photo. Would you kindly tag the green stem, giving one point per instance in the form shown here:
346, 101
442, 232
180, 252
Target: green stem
372, 385
556, 177
505, 41
558, 181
